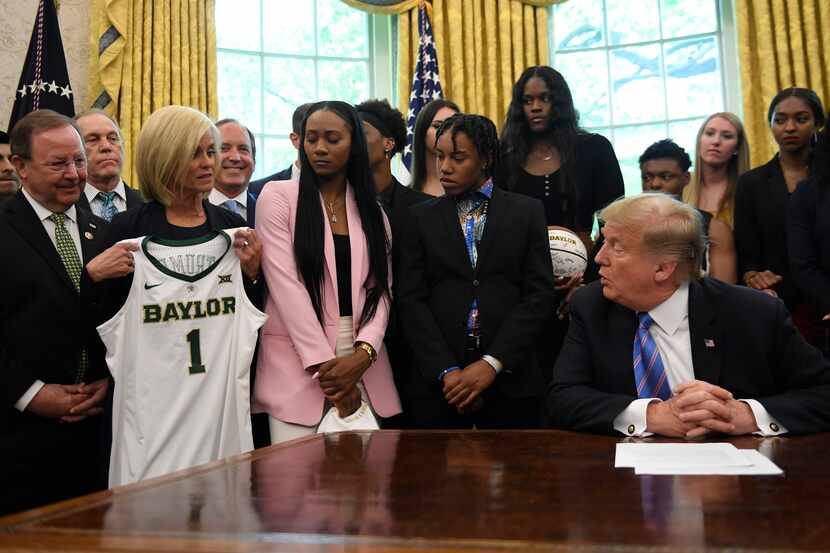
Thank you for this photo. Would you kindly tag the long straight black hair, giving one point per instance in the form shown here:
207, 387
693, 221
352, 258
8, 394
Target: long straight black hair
562, 129
309, 225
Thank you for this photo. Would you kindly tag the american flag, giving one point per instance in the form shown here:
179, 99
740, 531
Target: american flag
425, 83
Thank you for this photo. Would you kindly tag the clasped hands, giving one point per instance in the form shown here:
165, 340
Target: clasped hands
338, 380
69, 402
464, 386
698, 408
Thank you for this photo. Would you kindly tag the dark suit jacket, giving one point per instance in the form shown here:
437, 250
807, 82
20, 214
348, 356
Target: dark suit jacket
401, 198
808, 241
513, 281
134, 198
255, 187
44, 325
757, 354
761, 201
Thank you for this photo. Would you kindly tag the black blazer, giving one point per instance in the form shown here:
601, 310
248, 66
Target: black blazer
44, 324
761, 201
255, 187
401, 199
754, 351
808, 241
513, 282
134, 198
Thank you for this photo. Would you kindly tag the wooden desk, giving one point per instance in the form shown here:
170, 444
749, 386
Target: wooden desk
446, 491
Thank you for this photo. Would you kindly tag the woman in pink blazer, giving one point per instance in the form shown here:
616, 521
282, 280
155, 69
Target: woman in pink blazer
325, 255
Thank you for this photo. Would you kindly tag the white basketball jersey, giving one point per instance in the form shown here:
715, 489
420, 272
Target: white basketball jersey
180, 351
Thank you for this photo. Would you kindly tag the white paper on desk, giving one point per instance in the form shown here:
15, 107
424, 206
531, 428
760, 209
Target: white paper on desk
634, 454
759, 465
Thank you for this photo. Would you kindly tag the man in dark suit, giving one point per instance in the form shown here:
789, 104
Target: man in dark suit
292, 172
105, 193
655, 349
237, 161
52, 358
9, 181
476, 286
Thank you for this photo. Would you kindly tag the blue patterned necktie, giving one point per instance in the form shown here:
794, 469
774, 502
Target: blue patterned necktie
232, 205
649, 372
108, 208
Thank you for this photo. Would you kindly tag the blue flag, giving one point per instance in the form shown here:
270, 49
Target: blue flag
425, 83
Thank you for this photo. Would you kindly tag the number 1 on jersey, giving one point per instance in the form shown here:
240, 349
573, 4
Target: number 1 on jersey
196, 366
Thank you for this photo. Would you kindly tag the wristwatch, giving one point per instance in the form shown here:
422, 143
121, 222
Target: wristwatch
370, 351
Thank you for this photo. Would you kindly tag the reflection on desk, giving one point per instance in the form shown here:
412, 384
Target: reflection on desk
445, 491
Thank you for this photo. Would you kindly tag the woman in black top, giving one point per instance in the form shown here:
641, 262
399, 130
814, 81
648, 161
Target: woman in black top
547, 156
425, 177
808, 238
763, 194
176, 163
574, 173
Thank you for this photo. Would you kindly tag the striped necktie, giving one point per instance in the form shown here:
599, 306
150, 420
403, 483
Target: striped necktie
72, 262
649, 373
108, 207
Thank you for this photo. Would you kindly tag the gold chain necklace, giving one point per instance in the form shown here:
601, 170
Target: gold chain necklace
331, 207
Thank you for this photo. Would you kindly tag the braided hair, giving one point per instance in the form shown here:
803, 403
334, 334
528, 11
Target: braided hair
481, 132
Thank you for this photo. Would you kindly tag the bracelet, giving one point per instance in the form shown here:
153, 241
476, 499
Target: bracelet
447, 371
370, 351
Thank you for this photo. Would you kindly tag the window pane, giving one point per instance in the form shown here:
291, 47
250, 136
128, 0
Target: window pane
290, 26
289, 82
279, 154
685, 134
630, 143
240, 88
342, 30
260, 169
586, 73
637, 84
689, 17
578, 25
347, 81
237, 24
632, 21
693, 77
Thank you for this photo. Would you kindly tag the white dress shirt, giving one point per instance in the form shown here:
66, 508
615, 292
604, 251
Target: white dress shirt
96, 203
295, 171
218, 198
71, 224
670, 331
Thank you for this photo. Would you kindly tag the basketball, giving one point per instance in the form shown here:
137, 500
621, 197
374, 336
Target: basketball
567, 252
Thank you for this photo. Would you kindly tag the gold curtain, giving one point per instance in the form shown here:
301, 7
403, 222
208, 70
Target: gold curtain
482, 45
146, 54
782, 43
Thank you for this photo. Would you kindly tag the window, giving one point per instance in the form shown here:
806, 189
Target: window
644, 70
273, 55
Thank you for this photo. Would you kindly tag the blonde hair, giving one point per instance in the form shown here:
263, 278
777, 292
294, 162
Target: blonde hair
165, 147
667, 227
738, 164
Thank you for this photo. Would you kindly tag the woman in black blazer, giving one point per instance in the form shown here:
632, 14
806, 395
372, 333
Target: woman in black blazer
808, 240
763, 194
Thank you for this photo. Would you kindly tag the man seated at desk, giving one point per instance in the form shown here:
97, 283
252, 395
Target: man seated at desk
653, 348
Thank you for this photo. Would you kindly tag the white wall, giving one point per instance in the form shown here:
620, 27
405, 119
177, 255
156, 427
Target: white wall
17, 18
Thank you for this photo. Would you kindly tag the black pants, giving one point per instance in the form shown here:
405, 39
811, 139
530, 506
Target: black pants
496, 412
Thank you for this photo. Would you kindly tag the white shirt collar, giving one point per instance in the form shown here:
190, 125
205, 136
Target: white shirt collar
218, 198
669, 314
43, 213
91, 192
295, 171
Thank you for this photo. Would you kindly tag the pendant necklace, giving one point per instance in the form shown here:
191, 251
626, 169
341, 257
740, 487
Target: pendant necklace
331, 205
